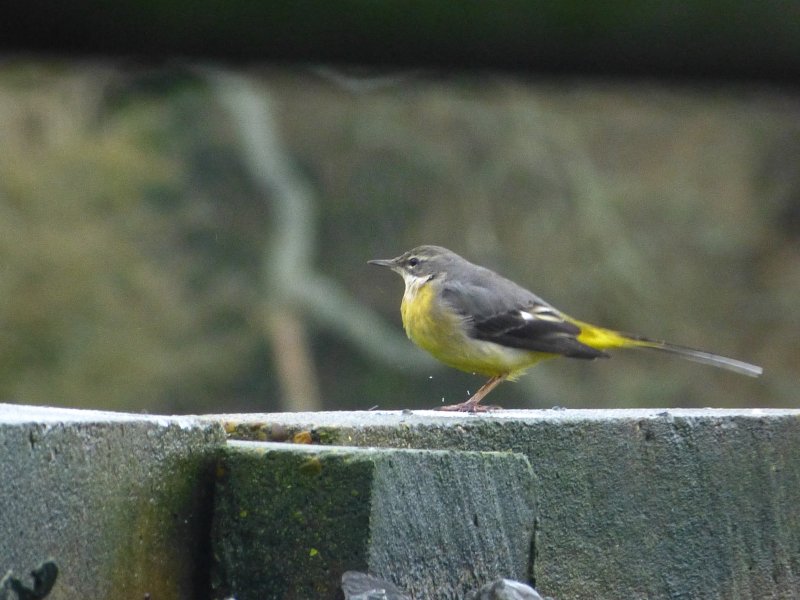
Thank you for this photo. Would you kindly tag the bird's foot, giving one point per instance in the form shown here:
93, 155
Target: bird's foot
472, 405
469, 407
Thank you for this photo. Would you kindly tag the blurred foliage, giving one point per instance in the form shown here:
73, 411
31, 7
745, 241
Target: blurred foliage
125, 278
131, 234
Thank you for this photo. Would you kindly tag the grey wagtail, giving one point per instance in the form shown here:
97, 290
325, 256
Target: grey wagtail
473, 319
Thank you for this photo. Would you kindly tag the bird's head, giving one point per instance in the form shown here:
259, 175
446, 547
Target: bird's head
421, 264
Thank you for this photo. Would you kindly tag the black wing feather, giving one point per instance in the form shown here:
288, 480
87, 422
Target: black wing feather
556, 337
491, 307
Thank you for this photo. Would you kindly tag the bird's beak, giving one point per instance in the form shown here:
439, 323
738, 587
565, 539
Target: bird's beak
383, 262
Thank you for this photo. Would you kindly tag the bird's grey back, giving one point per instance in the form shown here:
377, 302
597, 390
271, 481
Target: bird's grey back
473, 289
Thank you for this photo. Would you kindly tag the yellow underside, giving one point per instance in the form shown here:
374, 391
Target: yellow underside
442, 335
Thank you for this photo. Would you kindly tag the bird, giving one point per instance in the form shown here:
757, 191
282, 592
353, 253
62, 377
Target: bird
475, 320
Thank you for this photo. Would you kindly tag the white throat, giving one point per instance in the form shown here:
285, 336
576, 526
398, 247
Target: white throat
413, 283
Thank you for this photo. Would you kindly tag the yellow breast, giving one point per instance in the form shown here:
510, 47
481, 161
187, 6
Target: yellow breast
422, 319
442, 333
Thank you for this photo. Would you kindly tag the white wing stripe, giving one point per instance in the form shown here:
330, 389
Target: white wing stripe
541, 313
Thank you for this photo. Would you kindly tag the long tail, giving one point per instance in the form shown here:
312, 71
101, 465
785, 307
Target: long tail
700, 356
602, 339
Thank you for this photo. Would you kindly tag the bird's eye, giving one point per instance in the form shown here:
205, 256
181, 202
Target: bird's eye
413, 261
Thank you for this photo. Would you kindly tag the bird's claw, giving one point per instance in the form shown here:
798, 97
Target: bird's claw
468, 407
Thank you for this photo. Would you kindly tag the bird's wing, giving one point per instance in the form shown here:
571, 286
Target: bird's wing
498, 310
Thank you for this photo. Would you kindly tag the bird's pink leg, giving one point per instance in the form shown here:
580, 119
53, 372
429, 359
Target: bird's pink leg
473, 404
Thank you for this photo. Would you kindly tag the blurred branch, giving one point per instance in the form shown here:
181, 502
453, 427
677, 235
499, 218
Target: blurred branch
293, 358
363, 80
289, 280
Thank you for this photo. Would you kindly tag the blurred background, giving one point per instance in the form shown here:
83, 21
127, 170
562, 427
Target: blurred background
183, 237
